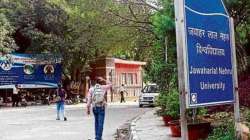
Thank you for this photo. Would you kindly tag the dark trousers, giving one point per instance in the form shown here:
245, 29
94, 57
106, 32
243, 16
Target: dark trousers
122, 97
99, 113
15, 100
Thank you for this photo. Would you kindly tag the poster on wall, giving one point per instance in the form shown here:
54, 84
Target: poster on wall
30, 70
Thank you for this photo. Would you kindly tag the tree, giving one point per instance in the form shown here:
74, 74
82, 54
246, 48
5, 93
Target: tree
79, 30
160, 70
163, 25
240, 11
7, 43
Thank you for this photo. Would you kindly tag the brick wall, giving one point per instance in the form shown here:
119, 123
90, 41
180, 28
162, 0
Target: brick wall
244, 90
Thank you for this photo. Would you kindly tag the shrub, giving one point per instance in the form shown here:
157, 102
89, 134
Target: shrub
248, 116
224, 132
172, 107
169, 103
161, 100
245, 115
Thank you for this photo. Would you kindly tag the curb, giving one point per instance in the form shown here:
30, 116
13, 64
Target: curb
130, 129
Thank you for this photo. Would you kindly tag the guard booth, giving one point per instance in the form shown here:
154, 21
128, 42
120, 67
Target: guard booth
119, 71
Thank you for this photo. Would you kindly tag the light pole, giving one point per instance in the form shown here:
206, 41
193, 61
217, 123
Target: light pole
111, 80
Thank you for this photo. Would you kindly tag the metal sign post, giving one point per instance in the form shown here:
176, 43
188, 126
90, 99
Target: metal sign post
179, 10
236, 93
206, 57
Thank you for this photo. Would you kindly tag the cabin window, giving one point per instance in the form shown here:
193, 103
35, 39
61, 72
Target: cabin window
130, 79
123, 78
136, 80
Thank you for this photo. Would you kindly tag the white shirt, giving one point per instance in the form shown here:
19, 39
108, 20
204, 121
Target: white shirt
122, 89
105, 88
15, 90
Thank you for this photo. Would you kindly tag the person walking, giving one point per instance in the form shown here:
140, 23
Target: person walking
23, 101
97, 97
15, 96
122, 91
60, 101
1, 101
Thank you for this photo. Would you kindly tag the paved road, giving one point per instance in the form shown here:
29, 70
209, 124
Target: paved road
38, 123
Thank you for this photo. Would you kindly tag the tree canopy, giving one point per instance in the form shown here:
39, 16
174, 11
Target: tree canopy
82, 30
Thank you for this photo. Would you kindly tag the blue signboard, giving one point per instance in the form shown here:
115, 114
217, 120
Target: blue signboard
30, 70
209, 55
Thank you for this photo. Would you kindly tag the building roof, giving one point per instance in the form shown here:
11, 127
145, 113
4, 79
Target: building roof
121, 61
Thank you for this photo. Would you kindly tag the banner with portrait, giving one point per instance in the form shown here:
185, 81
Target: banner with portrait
30, 70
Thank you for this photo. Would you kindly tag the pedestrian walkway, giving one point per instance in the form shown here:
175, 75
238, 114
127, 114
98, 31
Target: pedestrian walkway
46, 107
151, 127
39, 122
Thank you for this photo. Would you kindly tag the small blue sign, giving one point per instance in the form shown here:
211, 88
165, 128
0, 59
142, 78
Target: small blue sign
209, 54
30, 70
